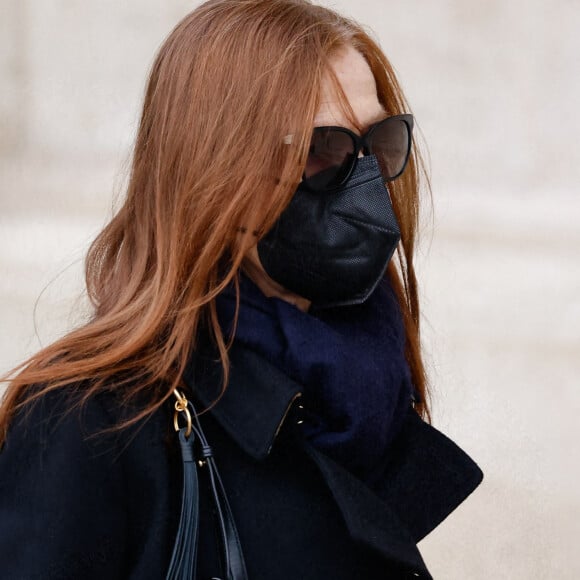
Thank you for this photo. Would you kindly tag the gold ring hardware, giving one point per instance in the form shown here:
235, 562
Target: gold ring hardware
181, 406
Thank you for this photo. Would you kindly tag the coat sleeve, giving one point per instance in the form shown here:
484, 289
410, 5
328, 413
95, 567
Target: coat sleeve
62, 512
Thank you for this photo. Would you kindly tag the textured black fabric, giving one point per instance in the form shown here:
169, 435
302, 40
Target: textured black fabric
333, 248
108, 508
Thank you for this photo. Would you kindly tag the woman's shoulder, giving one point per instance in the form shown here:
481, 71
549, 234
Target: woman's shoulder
72, 491
56, 414
68, 420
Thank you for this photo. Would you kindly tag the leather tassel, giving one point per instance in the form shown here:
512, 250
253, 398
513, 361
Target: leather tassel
232, 559
182, 566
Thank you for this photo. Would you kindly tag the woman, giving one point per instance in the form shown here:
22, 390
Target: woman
249, 271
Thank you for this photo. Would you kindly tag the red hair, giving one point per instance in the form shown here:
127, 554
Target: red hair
210, 161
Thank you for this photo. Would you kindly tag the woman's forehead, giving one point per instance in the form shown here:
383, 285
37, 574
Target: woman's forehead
358, 83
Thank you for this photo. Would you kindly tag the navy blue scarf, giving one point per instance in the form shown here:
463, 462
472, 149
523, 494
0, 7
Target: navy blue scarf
350, 360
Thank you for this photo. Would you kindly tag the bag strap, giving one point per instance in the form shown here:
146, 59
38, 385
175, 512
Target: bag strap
183, 559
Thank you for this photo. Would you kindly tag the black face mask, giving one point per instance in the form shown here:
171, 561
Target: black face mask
333, 248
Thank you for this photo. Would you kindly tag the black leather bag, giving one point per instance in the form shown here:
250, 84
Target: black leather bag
184, 558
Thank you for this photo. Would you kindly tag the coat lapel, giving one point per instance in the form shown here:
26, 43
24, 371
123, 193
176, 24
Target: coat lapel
426, 477
370, 521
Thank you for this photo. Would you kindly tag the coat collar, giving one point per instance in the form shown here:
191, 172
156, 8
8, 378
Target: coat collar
254, 405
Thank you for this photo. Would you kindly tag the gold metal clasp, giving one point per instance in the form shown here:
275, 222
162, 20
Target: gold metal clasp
182, 406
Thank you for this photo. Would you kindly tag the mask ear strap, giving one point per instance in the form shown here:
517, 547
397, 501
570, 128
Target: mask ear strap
183, 559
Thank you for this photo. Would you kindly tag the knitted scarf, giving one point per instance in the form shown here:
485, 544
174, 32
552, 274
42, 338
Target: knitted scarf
350, 360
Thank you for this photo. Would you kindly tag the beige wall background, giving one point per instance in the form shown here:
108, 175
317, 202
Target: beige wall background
495, 88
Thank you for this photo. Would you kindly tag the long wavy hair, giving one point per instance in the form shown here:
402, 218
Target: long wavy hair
210, 168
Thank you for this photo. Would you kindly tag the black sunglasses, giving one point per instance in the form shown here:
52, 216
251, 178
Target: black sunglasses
334, 151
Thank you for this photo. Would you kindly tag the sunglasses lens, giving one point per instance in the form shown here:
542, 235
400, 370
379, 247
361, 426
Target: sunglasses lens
390, 141
329, 160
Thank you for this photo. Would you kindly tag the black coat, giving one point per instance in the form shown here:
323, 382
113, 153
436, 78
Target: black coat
107, 507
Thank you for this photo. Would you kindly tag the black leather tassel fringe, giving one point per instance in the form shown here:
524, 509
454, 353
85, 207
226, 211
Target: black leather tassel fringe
182, 566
